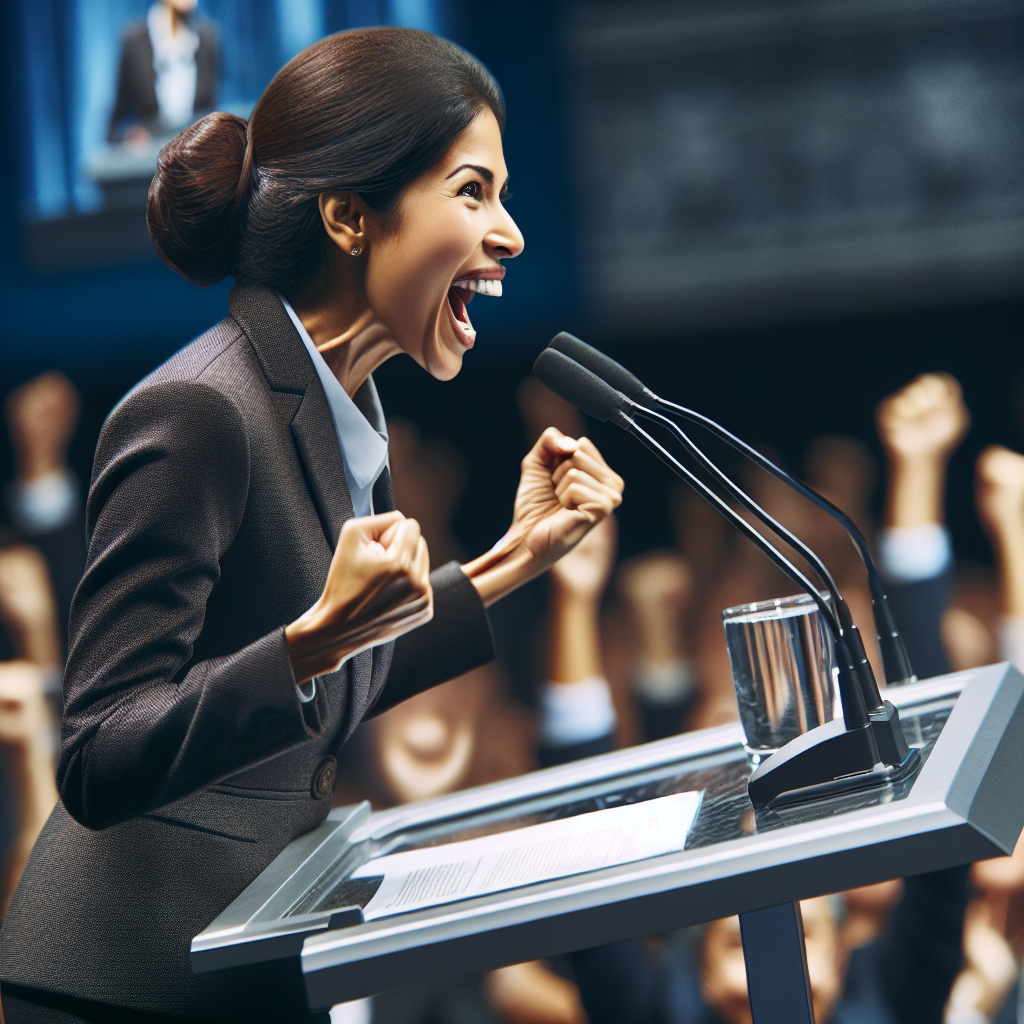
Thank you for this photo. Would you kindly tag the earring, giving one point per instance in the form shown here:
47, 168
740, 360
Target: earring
356, 251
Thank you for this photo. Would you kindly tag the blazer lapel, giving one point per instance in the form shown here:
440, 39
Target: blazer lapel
383, 495
288, 368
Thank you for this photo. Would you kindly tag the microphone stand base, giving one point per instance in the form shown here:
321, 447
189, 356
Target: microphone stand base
833, 759
849, 783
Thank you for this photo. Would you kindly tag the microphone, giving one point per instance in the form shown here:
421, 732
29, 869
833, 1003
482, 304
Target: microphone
824, 760
598, 399
895, 661
591, 395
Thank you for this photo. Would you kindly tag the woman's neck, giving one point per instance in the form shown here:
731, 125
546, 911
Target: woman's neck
353, 342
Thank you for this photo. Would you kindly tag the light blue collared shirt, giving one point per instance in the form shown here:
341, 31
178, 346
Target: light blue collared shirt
359, 424
362, 435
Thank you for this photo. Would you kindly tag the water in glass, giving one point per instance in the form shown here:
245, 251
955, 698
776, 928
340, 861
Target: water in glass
782, 665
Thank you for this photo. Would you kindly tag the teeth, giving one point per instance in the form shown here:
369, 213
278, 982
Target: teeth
480, 285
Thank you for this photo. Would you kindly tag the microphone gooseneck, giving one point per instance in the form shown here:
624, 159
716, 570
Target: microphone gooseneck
594, 396
894, 655
867, 746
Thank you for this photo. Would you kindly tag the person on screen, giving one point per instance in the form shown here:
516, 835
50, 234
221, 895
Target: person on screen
247, 578
167, 72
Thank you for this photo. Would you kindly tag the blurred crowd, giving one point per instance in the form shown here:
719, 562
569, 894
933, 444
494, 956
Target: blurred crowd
603, 654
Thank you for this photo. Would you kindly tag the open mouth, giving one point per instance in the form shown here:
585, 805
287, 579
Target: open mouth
458, 299
460, 295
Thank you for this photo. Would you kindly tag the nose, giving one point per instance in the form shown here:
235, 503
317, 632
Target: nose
504, 240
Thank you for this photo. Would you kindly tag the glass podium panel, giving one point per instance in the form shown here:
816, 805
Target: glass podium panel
969, 727
725, 811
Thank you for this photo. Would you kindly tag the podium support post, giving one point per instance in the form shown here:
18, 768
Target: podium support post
776, 962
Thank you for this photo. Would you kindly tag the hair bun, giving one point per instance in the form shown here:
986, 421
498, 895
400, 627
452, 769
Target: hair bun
191, 206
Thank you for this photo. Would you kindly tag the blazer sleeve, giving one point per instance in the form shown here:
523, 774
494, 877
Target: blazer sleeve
144, 724
457, 639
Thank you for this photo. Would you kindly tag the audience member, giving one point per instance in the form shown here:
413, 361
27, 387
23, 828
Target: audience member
1000, 502
994, 923
28, 737
920, 426
656, 590
843, 471
702, 537
902, 976
577, 714
26, 743
43, 500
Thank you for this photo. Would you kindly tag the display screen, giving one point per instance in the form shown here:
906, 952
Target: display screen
101, 85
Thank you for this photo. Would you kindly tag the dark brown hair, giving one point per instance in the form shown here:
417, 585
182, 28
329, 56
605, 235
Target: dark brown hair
365, 111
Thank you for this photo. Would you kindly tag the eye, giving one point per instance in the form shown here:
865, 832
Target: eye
473, 189
505, 195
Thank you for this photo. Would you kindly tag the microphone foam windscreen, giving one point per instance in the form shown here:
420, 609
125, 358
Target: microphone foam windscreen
606, 368
578, 385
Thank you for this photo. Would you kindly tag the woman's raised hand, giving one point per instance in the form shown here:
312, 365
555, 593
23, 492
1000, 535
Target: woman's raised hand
378, 588
565, 489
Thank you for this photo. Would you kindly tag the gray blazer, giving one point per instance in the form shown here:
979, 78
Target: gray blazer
217, 498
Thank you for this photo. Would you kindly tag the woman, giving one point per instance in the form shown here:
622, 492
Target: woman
235, 621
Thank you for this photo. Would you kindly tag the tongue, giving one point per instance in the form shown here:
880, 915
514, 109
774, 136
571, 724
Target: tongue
458, 304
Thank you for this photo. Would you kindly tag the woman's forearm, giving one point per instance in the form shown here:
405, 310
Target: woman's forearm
494, 577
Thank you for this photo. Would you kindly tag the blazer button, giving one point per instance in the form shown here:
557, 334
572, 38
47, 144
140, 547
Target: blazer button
323, 779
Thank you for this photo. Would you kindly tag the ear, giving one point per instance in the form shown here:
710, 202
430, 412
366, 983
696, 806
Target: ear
344, 220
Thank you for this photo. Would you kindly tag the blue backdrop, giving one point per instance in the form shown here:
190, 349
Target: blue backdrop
99, 323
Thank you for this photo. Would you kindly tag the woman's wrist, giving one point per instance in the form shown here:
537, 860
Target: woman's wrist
501, 570
310, 648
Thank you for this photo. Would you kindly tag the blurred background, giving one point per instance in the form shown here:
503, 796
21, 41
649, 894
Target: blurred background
777, 212
781, 209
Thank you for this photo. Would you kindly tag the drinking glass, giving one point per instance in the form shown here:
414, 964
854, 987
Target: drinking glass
783, 666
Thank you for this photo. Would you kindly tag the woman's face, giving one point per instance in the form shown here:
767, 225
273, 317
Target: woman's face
452, 233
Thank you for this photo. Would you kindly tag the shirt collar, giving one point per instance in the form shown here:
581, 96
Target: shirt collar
359, 423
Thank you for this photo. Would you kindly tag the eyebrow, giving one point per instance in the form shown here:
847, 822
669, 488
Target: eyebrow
484, 173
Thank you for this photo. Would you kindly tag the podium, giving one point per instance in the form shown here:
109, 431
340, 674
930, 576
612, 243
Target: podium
965, 803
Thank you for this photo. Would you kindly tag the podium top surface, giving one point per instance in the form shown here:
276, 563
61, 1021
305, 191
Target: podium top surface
969, 727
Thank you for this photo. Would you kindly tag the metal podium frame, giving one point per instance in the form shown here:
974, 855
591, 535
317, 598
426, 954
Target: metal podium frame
965, 804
